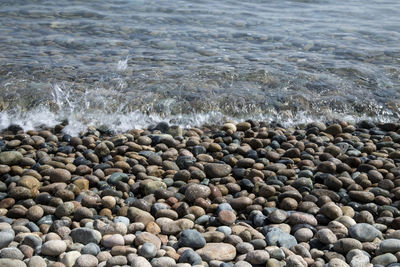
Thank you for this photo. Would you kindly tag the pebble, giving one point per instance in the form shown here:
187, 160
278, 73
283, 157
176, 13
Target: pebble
163, 262
12, 263
70, 258
246, 194
390, 245
384, 259
85, 235
113, 240
37, 261
257, 257
276, 237
140, 261
364, 232
191, 238
217, 251
87, 260
191, 257
11, 253
147, 250
53, 247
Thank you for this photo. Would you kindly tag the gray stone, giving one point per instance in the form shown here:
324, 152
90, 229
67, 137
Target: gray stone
87, 260
11, 253
91, 248
390, 245
276, 237
12, 263
242, 264
364, 232
6, 236
190, 256
148, 250
257, 257
163, 262
191, 238
32, 240
384, 259
85, 235
116, 260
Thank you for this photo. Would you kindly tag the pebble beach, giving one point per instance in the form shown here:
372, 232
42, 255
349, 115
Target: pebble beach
236, 194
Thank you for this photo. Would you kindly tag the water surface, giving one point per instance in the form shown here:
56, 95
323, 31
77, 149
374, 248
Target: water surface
127, 63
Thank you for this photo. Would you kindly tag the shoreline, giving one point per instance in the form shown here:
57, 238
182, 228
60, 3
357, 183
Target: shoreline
234, 194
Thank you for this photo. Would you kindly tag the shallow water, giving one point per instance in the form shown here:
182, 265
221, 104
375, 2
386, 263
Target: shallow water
127, 64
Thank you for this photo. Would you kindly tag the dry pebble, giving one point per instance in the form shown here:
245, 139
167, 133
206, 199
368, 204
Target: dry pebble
246, 194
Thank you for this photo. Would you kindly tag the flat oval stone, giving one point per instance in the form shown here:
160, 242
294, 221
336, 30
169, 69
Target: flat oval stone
53, 247
217, 251
364, 232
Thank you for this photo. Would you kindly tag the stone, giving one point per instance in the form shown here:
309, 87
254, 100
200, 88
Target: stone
257, 257
60, 176
300, 217
85, 235
217, 251
336, 262
138, 215
240, 203
153, 186
33, 241
70, 257
195, 191
65, 209
53, 248
11, 253
12, 263
214, 170
244, 264
331, 210
6, 236
364, 232
35, 213
147, 250
87, 260
362, 196
37, 261
295, 261
144, 237
344, 245
113, 240
191, 238
116, 260
171, 227
326, 236
163, 262
91, 249
140, 261
244, 247
276, 237
384, 259
10, 157
390, 245
190, 256
303, 235
226, 217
